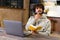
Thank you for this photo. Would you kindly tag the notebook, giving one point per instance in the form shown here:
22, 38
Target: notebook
14, 28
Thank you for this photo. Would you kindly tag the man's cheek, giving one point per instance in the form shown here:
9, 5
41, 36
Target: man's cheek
36, 10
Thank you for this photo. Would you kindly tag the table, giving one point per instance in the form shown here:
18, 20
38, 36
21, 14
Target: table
5, 36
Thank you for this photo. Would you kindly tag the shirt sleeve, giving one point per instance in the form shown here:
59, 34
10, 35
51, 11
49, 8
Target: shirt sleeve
31, 21
47, 29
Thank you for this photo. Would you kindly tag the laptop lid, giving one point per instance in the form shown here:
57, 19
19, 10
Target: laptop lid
13, 27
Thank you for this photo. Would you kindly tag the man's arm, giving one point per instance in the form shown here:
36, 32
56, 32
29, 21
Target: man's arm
47, 29
31, 21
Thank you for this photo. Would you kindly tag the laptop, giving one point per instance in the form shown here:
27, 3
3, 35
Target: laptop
14, 28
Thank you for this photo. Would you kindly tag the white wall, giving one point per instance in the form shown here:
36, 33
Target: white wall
54, 11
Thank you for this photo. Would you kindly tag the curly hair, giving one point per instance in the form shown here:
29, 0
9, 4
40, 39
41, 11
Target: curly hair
38, 5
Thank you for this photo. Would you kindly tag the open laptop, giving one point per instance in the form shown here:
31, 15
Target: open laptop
14, 28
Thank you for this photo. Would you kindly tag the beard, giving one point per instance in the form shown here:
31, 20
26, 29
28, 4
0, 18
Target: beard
39, 12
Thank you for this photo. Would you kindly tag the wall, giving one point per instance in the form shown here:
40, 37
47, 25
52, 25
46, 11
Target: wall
26, 11
15, 14
10, 14
54, 11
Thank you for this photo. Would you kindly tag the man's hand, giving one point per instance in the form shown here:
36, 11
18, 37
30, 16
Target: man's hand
37, 16
34, 33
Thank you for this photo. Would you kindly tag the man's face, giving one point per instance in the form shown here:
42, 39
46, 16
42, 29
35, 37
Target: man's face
38, 10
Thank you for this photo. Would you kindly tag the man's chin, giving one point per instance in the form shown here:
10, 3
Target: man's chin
40, 12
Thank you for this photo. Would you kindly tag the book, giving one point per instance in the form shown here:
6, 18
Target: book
34, 28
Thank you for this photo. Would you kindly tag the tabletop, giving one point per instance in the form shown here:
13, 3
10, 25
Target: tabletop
5, 36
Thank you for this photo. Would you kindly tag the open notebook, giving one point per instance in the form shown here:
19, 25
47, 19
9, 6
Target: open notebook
34, 28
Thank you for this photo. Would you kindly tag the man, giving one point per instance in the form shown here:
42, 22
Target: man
39, 19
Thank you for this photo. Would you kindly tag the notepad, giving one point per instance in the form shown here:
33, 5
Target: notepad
34, 28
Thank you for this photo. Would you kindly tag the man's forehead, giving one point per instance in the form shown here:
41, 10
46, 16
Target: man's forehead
38, 7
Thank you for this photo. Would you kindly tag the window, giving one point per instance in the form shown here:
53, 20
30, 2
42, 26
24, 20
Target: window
34, 1
12, 3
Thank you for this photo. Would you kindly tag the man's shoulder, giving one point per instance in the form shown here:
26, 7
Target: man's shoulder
47, 20
31, 16
44, 16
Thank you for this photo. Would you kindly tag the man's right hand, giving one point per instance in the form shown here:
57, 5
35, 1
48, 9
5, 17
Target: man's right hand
37, 16
34, 33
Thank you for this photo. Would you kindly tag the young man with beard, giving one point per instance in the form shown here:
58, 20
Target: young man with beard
39, 19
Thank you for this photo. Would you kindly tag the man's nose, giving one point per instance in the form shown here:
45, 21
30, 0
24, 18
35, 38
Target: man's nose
39, 9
